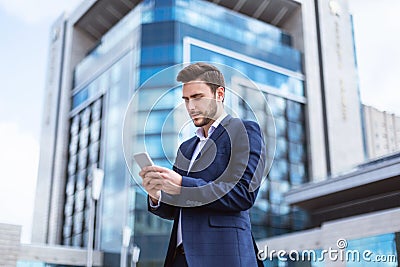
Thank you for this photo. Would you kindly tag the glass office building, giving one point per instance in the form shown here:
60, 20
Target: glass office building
111, 92
152, 37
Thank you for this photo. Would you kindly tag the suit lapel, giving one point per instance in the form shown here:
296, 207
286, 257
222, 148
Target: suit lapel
185, 154
217, 133
212, 140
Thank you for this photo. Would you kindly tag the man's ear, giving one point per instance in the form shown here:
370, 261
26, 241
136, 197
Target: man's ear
220, 93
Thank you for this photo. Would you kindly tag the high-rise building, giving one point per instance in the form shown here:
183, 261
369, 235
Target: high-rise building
382, 132
298, 55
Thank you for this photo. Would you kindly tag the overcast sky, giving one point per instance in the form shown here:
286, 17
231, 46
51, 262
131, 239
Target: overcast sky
24, 29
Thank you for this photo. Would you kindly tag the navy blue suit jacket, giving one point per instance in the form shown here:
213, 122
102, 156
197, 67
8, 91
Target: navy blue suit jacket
217, 194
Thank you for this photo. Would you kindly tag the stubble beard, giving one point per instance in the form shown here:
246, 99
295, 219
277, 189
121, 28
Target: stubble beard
207, 117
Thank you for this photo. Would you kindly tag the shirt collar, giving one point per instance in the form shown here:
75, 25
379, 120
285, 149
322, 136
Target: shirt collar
199, 130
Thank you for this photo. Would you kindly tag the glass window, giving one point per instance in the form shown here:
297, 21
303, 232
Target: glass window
81, 180
75, 125
158, 54
384, 246
295, 86
281, 126
70, 187
158, 34
72, 165
88, 193
93, 88
277, 105
294, 111
163, 77
78, 220
66, 242
68, 220
297, 174
156, 99
84, 137
85, 117
154, 122
87, 216
77, 240
296, 152
80, 97
279, 170
85, 238
67, 231
73, 144
94, 152
95, 128
83, 156
160, 147
281, 148
296, 132
79, 200
96, 110
270, 126
69, 206
272, 78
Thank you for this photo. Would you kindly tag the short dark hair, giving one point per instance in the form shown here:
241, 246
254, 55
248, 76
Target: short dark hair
204, 72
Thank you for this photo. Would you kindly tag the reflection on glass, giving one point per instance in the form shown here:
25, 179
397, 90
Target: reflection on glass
294, 111
295, 132
384, 246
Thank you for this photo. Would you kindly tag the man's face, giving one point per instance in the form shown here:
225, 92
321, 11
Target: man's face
200, 102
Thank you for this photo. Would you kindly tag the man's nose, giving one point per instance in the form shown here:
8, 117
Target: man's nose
190, 105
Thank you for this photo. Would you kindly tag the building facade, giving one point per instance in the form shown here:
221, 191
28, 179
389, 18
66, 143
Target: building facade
111, 91
354, 218
382, 132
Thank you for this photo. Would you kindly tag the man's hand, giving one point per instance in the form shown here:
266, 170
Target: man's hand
156, 178
172, 180
152, 183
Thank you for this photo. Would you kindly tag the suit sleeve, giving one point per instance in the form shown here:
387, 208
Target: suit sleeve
245, 172
164, 211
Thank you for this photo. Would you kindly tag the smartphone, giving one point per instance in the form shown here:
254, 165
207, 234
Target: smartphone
143, 159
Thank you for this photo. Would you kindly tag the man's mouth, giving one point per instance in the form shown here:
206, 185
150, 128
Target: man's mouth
195, 115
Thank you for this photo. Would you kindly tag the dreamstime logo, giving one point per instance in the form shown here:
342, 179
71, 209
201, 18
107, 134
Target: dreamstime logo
341, 253
154, 106
341, 243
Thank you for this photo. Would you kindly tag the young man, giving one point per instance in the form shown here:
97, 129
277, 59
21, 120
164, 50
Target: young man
214, 181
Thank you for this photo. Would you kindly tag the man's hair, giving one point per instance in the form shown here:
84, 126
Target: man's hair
202, 72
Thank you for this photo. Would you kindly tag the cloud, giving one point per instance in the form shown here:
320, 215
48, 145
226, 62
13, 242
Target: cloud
19, 165
37, 11
377, 52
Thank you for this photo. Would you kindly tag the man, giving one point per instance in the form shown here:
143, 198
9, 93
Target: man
214, 181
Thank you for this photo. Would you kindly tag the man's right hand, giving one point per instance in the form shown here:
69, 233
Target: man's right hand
152, 183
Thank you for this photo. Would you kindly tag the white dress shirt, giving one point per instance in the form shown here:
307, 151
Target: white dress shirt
199, 147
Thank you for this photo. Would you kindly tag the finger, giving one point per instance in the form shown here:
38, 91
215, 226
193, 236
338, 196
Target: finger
145, 170
152, 188
156, 168
149, 168
165, 176
150, 184
154, 182
153, 175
